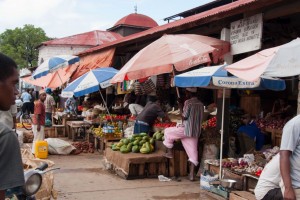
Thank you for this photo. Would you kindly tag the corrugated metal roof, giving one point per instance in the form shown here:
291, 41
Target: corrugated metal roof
168, 27
92, 38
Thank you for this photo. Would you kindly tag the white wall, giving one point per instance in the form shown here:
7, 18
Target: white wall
45, 52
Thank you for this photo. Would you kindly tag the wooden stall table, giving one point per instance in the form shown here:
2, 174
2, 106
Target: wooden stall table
249, 182
275, 135
101, 142
72, 127
61, 118
245, 181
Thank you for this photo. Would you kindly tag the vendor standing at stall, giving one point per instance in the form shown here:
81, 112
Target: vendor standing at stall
251, 129
189, 132
38, 120
147, 117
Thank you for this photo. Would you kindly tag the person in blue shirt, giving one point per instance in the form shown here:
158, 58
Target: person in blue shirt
250, 128
26, 98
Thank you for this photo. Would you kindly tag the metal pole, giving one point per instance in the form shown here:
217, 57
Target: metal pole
60, 79
178, 95
105, 104
222, 134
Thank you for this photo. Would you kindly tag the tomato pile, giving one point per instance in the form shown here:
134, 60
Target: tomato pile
165, 124
211, 123
270, 123
114, 117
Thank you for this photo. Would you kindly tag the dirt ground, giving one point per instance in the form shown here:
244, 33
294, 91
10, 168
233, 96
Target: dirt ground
84, 176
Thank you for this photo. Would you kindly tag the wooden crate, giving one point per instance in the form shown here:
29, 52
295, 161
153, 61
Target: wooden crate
178, 165
101, 143
136, 171
241, 195
50, 132
239, 178
250, 104
147, 170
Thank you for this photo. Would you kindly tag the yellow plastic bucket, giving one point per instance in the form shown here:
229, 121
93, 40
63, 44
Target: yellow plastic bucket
41, 149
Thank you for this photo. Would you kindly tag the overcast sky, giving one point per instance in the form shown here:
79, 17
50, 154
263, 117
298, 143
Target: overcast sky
61, 18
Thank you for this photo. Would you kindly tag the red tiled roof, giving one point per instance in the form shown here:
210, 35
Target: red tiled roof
92, 38
135, 19
188, 21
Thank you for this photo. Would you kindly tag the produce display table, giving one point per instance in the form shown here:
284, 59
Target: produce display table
136, 165
72, 128
101, 142
246, 182
60, 118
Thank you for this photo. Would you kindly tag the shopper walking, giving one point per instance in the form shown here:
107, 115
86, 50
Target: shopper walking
26, 98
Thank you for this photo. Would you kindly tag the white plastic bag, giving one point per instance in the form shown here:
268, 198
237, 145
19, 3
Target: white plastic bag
58, 146
205, 179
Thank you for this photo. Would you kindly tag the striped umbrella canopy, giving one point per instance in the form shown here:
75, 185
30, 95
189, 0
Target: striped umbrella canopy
54, 63
89, 82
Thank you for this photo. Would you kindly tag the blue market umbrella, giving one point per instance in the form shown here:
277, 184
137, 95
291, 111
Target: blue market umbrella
90, 82
217, 77
53, 64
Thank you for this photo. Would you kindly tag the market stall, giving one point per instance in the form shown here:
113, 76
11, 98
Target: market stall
244, 171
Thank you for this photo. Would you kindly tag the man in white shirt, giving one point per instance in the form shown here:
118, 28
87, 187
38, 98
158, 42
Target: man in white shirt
290, 159
267, 186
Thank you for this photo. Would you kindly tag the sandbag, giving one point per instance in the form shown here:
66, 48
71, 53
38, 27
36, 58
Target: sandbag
58, 146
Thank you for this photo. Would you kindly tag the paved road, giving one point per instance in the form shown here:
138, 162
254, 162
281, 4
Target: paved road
84, 176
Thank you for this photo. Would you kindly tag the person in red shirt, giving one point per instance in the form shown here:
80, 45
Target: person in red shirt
38, 120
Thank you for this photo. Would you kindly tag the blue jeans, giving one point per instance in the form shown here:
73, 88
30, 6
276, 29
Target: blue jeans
140, 128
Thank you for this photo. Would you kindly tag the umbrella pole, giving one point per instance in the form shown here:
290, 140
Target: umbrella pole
60, 78
105, 105
177, 90
222, 134
178, 95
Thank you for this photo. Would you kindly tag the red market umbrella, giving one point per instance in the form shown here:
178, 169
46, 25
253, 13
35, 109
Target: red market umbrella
181, 52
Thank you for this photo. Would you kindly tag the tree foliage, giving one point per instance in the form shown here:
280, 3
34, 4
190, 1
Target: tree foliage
20, 44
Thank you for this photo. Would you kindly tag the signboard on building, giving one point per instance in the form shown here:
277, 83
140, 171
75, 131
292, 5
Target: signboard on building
246, 34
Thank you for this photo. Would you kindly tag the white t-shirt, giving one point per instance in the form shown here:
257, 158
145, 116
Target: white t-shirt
290, 141
269, 178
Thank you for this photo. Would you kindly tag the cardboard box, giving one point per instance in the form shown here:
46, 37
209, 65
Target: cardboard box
241, 195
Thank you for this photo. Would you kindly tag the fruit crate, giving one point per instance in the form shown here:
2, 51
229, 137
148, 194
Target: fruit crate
147, 170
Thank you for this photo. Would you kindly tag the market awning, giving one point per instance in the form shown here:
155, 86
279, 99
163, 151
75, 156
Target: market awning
93, 61
52, 80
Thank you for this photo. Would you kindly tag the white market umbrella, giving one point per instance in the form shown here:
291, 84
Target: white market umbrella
280, 61
217, 77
